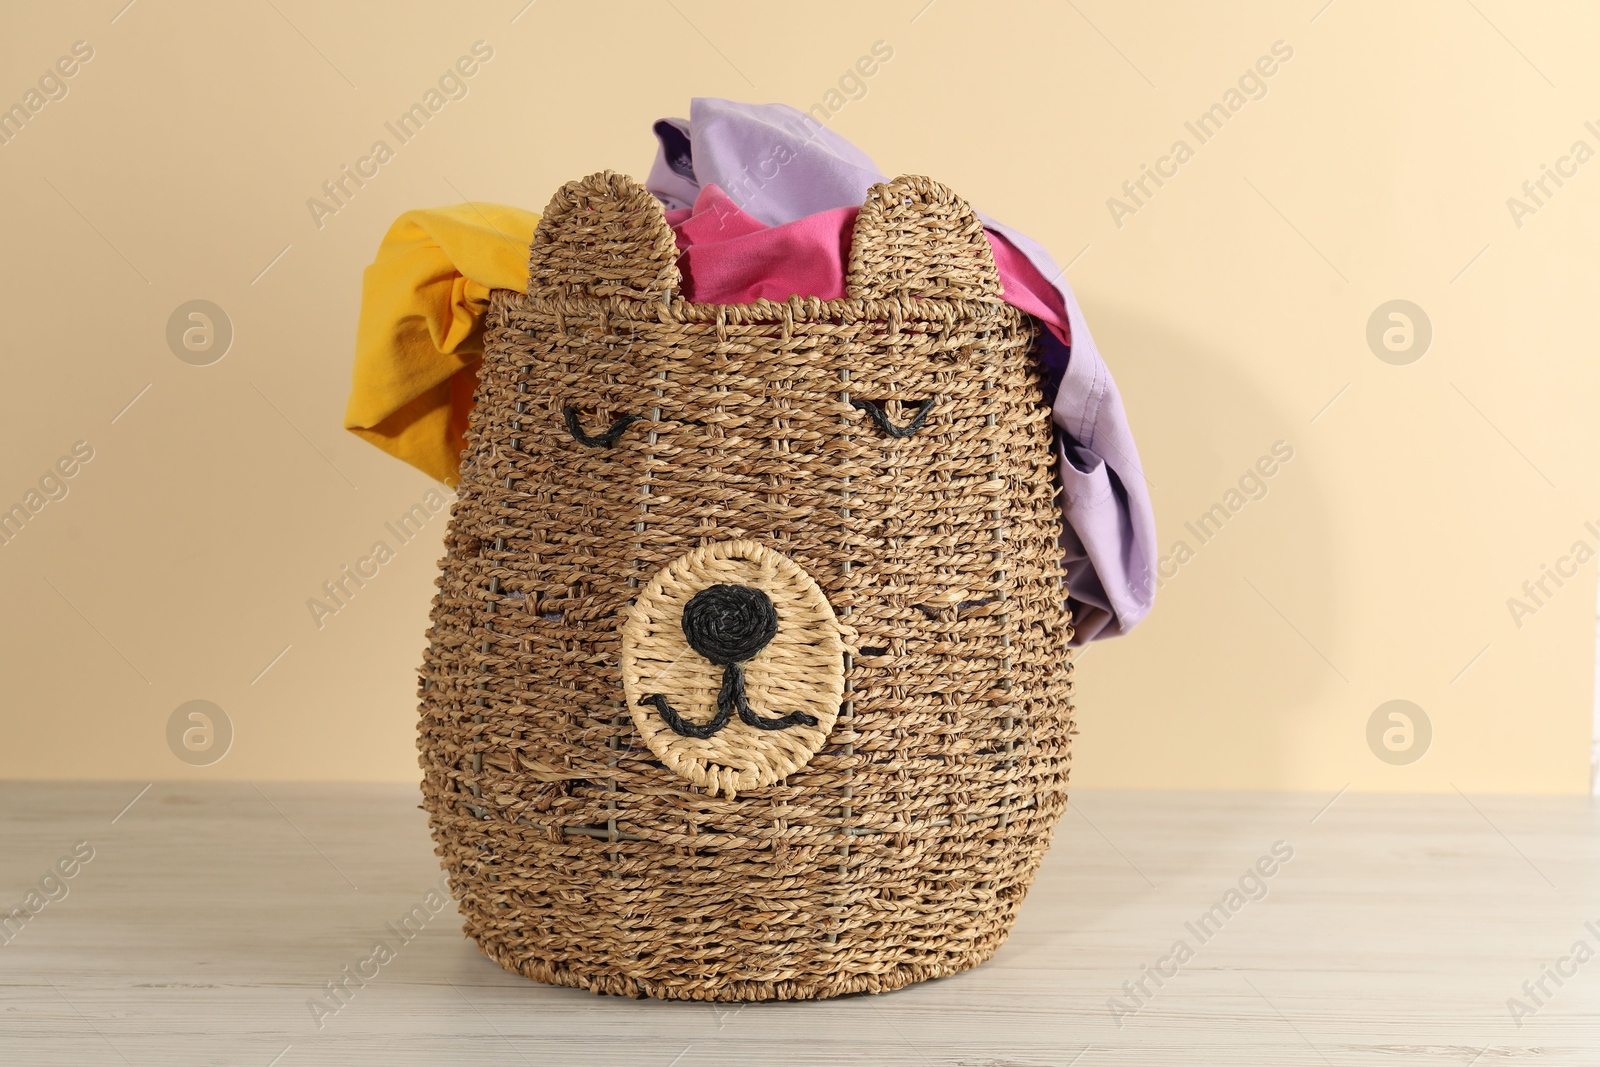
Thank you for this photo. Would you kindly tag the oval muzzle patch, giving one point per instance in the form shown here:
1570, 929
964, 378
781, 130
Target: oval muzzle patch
733, 666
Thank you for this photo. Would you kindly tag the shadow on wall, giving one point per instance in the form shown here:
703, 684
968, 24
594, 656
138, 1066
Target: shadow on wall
1245, 632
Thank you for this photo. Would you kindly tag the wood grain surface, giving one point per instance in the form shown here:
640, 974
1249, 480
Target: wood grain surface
207, 924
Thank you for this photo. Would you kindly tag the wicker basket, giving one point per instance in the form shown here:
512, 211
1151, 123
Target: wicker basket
748, 676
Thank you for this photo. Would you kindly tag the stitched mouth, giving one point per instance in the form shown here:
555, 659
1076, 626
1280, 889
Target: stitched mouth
731, 701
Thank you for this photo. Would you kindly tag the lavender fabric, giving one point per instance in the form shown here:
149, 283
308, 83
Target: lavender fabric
780, 164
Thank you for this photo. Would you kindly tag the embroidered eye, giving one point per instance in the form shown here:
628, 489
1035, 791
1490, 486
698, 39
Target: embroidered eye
569, 415
875, 410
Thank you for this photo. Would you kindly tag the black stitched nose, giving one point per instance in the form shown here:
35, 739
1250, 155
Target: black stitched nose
729, 623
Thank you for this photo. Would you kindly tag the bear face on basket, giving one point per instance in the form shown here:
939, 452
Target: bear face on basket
748, 676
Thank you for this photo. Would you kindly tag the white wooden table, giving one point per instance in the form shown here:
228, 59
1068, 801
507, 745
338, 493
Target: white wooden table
210, 917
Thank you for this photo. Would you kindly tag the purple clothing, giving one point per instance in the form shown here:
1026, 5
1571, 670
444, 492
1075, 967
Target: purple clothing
780, 164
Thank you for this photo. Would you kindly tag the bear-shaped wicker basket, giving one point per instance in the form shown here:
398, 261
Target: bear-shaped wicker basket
748, 676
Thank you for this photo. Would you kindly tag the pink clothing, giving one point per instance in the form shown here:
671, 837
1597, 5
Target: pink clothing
731, 258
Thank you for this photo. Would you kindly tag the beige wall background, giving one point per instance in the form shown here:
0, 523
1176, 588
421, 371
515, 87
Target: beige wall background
1232, 303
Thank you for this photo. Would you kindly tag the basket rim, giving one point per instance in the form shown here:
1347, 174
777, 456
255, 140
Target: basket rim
796, 309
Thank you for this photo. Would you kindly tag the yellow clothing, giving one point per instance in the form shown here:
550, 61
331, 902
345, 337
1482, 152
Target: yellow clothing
419, 339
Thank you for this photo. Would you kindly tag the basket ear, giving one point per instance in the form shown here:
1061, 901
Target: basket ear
914, 237
604, 235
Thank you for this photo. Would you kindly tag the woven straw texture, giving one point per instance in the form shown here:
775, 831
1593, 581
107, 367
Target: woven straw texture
819, 536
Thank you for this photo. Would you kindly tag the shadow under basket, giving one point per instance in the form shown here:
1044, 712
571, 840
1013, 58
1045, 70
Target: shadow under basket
748, 677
